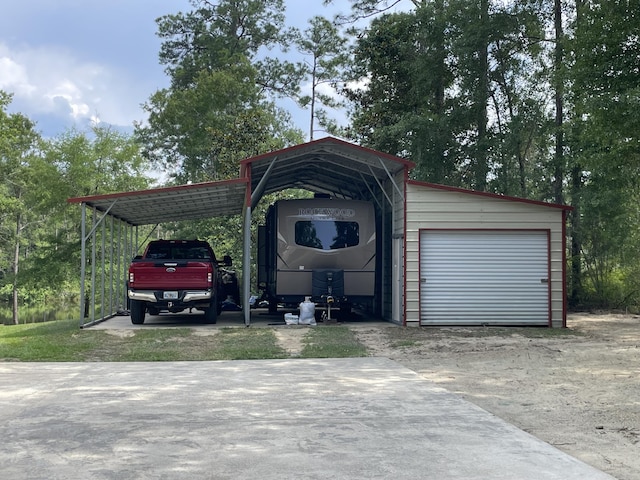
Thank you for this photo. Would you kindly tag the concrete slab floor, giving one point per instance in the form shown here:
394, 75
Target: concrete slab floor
259, 318
355, 418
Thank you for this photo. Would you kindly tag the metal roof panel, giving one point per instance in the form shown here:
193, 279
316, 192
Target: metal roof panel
170, 204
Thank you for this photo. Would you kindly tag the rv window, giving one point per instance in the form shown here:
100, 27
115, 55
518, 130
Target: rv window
327, 235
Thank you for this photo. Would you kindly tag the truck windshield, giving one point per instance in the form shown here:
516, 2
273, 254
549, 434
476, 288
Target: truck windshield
327, 234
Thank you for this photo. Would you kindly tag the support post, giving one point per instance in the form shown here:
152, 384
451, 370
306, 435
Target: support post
83, 260
92, 307
103, 263
246, 267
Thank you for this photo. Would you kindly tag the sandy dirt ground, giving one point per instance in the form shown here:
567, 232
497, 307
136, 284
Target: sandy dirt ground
577, 389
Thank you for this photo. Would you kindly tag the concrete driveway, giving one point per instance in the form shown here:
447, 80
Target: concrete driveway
356, 418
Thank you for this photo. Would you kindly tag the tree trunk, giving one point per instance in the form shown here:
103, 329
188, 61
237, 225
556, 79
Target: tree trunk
559, 100
575, 288
16, 260
440, 170
313, 99
481, 166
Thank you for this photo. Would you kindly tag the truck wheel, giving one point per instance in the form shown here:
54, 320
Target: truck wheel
211, 313
137, 311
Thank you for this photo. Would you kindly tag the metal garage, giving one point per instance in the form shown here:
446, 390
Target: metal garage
476, 258
448, 256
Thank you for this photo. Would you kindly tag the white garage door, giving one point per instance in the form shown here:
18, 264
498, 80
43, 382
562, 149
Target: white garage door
484, 277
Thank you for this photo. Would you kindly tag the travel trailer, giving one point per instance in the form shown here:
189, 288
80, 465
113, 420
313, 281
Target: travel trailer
321, 248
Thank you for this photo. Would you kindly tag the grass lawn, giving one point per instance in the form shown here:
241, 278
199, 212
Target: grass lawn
63, 341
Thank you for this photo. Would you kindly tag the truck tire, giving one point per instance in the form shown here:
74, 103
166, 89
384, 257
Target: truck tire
211, 313
137, 311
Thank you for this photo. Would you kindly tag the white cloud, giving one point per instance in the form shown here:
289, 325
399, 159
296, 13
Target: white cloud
51, 81
13, 77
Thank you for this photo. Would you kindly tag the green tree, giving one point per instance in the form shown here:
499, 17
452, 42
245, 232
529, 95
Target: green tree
431, 95
218, 35
325, 46
21, 168
401, 105
518, 118
99, 161
558, 82
44, 231
219, 88
367, 9
220, 106
471, 27
605, 150
540, 99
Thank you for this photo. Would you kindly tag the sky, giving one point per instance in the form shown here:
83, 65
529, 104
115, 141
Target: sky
69, 63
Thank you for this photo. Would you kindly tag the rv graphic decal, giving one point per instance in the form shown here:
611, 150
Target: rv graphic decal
328, 213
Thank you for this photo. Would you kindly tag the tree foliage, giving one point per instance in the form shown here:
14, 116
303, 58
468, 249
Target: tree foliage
324, 47
39, 230
20, 198
451, 85
220, 89
605, 155
220, 106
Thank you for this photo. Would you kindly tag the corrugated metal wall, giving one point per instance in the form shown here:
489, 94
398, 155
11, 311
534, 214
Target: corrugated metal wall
484, 277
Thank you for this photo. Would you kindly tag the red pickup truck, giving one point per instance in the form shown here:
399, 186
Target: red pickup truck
173, 275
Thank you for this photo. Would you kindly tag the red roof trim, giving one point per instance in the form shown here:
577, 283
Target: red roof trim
489, 195
330, 140
161, 190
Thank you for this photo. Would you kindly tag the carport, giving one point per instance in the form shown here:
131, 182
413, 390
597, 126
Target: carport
109, 230
330, 166
446, 255
347, 171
